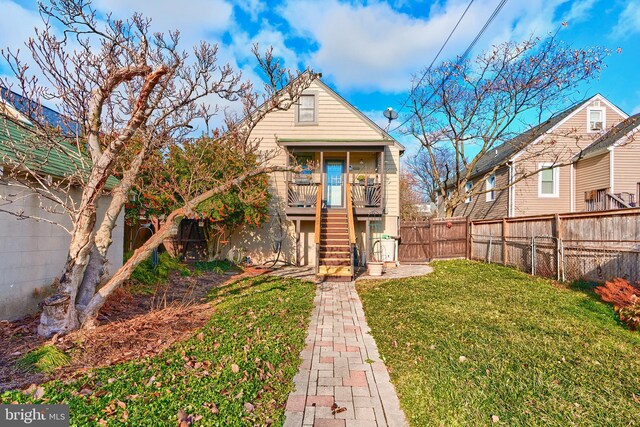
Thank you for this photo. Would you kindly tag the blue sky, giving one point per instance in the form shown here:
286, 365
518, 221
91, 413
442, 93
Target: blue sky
368, 50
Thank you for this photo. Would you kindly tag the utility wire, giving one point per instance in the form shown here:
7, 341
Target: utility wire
495, 13
435, 58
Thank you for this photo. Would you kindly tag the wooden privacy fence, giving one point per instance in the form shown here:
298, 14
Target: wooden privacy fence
421, 241
594, 246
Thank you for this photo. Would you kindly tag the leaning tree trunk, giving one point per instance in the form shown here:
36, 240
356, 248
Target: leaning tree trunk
59, 315
88, 313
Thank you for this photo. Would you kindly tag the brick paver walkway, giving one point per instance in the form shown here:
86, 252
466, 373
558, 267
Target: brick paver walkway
341, 381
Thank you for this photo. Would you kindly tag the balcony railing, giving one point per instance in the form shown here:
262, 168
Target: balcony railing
366, 195
601, 200
302, 194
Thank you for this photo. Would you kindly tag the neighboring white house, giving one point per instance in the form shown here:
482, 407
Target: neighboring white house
32, 254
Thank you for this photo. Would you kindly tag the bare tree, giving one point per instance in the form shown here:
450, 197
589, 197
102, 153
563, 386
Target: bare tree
471, 106
124, 92
420, 165
411, 199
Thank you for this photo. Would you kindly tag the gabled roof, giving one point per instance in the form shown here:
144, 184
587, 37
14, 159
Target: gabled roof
502, 153
360, 114
610, 138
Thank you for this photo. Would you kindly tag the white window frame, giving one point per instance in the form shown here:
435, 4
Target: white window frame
491, 191
467, 189
603, 111
315, 110
556, 180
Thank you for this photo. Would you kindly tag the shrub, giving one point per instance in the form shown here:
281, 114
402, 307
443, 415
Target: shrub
625, 298
146, 274
44, 359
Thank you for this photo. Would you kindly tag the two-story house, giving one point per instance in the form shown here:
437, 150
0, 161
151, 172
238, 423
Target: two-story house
550, 168
334, 213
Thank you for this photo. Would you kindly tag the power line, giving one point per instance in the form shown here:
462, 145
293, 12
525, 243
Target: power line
435, 58
495, 13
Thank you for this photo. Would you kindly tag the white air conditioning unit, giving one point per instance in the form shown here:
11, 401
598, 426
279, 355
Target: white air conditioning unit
596, 126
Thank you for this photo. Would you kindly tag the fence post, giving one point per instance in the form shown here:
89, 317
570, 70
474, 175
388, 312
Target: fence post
469, 229
558, 234
432, 254
505, 233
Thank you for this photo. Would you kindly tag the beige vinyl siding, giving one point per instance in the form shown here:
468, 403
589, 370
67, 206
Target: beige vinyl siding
626, 165
336, 120
590, 174
392, 184
556, 147
480, 208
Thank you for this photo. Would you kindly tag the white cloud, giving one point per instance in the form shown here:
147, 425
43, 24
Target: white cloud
628, 22
373, 47
195, 19
252, 7
17, 26
579, 10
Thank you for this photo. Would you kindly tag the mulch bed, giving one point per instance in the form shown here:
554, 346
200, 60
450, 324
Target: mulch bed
131, 326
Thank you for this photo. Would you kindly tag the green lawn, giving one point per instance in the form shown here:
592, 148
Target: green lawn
536, 354
237, 370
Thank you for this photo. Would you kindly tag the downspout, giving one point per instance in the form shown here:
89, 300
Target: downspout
611, 171
572, 189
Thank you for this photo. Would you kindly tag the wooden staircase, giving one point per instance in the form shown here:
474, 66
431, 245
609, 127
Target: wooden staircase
334, 259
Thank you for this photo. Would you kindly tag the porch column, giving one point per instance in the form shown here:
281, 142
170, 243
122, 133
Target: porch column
298, 242
366, 243
344, 185
383, 180
322, 175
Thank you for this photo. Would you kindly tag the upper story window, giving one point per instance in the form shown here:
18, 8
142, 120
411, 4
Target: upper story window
548, 183
491, 188
307, 113
596, 119
467, 187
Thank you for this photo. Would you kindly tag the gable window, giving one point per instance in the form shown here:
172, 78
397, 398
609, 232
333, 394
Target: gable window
467, 187
596, 119
307, 113
491, 188
548, 183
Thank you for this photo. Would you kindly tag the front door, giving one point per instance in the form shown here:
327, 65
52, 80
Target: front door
335, 170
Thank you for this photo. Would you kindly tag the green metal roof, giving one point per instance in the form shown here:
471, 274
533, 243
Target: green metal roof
18, 143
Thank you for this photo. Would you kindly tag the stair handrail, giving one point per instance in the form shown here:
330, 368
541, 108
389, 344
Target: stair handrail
318, 214
317, 229
352, 229
618, 202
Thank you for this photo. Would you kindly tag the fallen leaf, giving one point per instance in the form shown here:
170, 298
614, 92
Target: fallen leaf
248, 406
111, 380
38, 393
495, 418
462, 359
201, 336
121, 404
151, 380
235, 368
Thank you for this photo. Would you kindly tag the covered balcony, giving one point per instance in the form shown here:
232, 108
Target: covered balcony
332, 167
